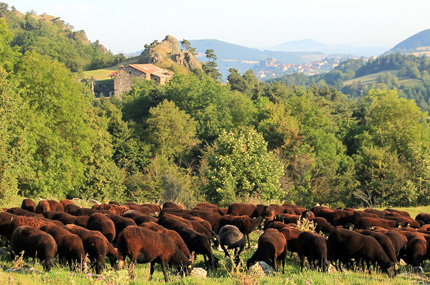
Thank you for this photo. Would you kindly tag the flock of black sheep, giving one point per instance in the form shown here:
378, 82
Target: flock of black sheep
169, 235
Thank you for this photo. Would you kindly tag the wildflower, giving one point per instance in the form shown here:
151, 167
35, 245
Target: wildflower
89, 274
71, 274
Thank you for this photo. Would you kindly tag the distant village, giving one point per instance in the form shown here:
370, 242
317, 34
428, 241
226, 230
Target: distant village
270, 68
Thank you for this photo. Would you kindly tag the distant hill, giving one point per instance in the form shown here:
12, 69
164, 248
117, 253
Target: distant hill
225, 50
244, 58
308, 45
416, 44
301, 45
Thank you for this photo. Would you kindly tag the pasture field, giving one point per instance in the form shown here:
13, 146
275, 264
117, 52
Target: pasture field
101, 74
371, 79
17, 272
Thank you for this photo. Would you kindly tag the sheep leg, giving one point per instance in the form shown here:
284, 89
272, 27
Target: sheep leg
205, 260
249, 243
163, 267
225, 250
302, 262
130, 269
151, 270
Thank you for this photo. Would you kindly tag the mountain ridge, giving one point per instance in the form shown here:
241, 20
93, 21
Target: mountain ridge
415, 43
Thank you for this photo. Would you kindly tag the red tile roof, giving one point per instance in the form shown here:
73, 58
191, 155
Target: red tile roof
147, 68
115, 72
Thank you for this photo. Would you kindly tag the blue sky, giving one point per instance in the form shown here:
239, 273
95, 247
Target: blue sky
127, 25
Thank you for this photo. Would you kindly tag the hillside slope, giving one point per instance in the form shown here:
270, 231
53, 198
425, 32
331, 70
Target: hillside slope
416, 44
53, 37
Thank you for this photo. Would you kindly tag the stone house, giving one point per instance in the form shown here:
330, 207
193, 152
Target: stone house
125, 77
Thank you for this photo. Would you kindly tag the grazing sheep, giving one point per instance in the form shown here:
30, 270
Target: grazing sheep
272, 249
101, 223
71, 208
241, 209
291, 236
345, 244
232, 238
171, 205
34, 243
416, 250
245, 224
312, 246
198, 226
22, 212
172, 234
212, 218
31, 222
120, 223
321, 225
154, 207
113, 209
29, 205
69, 246
49, 205
367, 222
195, 241
143, 245
66, 202
85, 212
66, 219
139, 217
96, 246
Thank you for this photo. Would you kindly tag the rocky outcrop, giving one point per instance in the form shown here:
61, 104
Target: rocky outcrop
167, 54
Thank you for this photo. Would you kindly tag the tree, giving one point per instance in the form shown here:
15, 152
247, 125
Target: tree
236, 81
186, 44
11, 148
211, 67
392, 137
67, 146
240, 166
172, 131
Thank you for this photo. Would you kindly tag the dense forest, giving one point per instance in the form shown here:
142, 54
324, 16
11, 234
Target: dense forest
408, 74
197, 139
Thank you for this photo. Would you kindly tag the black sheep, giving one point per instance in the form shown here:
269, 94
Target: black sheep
34, 243
312, 246
232, 238
29, 205
272, 249
100, 222
120, 223
143, 245
96, 246
345, 244
69, 246
195, 241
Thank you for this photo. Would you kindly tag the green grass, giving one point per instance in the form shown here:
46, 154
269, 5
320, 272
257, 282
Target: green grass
371, 79
101, 74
